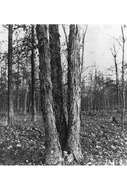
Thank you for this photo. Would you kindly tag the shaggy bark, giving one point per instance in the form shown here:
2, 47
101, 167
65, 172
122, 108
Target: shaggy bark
74, 93
53, 154
56, 76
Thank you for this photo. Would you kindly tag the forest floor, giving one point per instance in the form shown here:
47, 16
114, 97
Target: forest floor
103, 141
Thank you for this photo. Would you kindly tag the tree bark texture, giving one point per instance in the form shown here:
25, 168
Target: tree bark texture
56, 76
74, 92
53, 154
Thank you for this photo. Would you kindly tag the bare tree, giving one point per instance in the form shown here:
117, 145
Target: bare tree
123, 70
114, 54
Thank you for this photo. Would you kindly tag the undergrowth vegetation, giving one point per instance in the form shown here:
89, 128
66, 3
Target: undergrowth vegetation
103, 142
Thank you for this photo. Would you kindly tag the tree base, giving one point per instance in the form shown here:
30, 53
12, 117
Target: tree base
53, 158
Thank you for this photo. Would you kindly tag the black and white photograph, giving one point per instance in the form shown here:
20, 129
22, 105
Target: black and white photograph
63, 94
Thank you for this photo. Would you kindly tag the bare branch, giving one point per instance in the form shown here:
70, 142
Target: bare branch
114, 52
122, 30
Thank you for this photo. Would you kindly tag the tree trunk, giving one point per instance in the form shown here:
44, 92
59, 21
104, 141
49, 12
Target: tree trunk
74, 93
25, 97
10, 86
123, 83
117, 82
56, 76
17, 87
53, 153
33, 110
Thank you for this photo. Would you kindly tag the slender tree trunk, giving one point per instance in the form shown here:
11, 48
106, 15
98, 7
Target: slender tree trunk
33, 108
74, 93
1, 76
17, 99
25, 98
117, 82
53, 153
1, 101
10, 86
123, 83
56, 76
38, 102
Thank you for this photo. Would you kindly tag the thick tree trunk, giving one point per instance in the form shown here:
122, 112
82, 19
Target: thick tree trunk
56, 76
10, 86
33, 109
53, 153
74, 93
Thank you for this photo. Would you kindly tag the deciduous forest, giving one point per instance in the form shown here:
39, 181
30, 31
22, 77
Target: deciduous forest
55, 108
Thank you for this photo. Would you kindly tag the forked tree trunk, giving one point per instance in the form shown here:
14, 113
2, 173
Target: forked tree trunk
56, 76
53, 153
74, 93
10, 86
